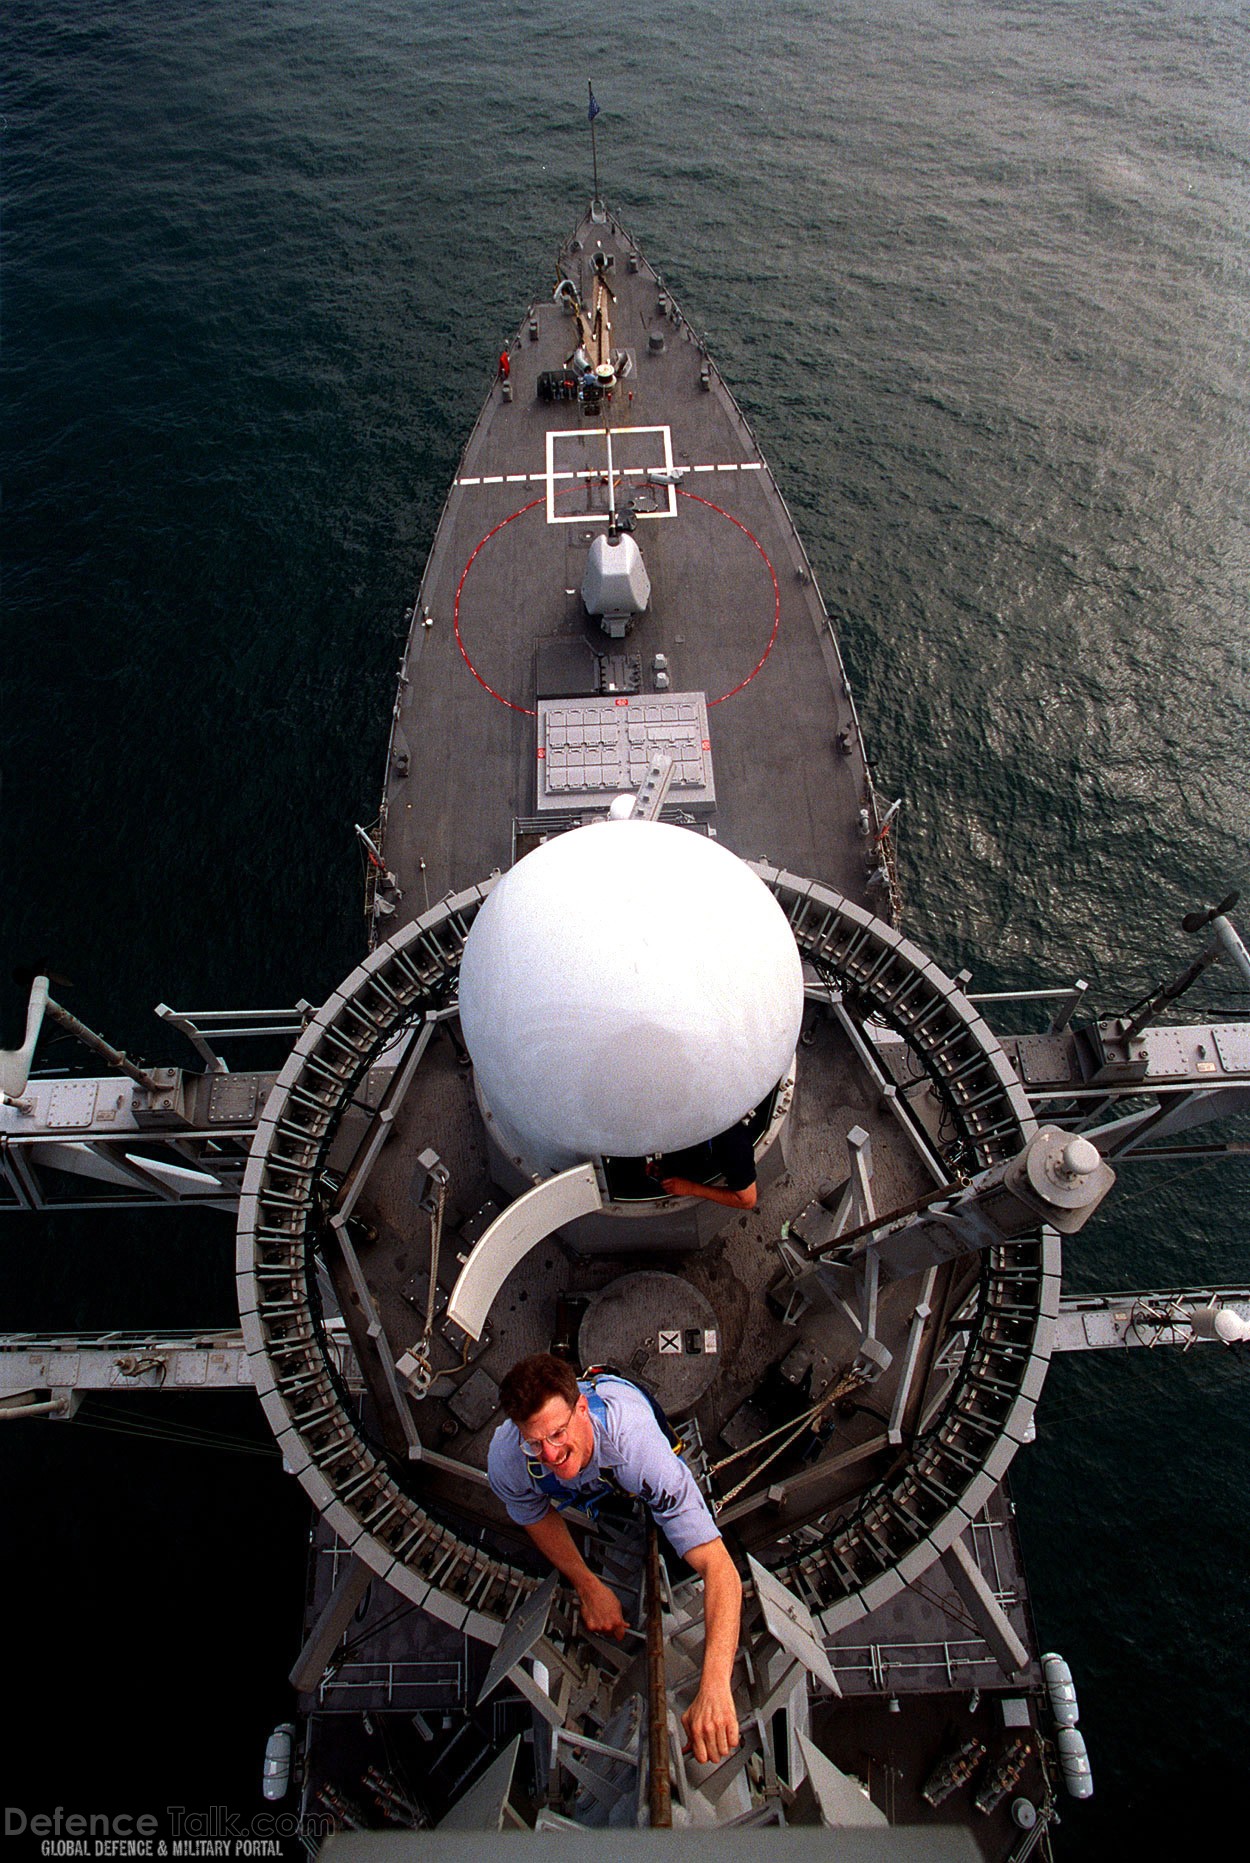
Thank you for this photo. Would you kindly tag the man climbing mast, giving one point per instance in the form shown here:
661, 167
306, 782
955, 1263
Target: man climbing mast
572, 1443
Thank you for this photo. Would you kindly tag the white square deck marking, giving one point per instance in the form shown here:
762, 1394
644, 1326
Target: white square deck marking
635, 452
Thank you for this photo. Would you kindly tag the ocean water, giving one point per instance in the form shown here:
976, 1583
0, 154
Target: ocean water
978, 273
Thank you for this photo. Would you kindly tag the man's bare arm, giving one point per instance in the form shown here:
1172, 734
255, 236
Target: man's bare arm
732, 1199
601, 1608
711, 1721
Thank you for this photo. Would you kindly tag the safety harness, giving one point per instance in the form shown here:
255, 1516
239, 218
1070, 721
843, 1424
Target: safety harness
588, 1499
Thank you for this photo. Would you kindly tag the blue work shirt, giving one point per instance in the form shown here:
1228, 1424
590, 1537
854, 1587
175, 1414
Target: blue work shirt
632, 1449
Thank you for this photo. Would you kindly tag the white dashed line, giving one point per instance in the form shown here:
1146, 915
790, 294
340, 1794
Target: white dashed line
598, 475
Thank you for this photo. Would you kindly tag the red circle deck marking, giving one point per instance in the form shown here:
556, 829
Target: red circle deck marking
721, 512
528, 710
494, 531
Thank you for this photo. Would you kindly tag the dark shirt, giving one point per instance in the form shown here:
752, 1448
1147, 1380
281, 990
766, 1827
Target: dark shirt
730, 1155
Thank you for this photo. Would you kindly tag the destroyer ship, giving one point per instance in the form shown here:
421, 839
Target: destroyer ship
631, 884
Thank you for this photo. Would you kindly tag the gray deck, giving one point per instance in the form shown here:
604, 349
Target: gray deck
785, 793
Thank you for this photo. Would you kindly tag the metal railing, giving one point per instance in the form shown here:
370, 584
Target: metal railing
199, 1025
405, 1684
950, 1662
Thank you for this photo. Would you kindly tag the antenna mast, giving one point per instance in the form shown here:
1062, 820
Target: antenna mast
592, 111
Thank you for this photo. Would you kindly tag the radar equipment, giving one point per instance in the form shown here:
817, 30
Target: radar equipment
700, 1023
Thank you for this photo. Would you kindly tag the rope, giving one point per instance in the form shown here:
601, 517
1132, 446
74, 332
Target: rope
850, 1382
423, 1374
436, 1241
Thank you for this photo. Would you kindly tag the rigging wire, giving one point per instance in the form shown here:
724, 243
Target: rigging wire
1081, 1409
187, 1439
363, 1637
101, 1408
949, 1607
191, 1435
1173, 1183
122, 1429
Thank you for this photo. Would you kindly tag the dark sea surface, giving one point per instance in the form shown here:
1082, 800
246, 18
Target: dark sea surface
979, 275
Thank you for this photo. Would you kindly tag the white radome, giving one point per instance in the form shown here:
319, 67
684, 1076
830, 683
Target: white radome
628, 987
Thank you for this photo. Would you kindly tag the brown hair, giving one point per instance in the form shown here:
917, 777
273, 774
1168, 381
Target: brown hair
533, 1380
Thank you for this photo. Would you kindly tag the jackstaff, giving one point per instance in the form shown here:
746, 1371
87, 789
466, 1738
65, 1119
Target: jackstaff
592, 111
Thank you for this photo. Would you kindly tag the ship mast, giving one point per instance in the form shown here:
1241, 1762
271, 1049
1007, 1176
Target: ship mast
592, 111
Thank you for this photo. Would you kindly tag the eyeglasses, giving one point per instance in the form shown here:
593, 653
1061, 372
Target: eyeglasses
556, 1438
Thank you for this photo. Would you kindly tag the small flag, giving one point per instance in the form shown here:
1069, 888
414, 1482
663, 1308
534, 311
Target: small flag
593, 109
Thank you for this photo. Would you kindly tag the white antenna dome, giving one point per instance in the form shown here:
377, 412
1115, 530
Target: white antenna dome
629, 987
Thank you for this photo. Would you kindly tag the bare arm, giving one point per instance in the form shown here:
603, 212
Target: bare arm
732, 1199
711, 1721
601, 1608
